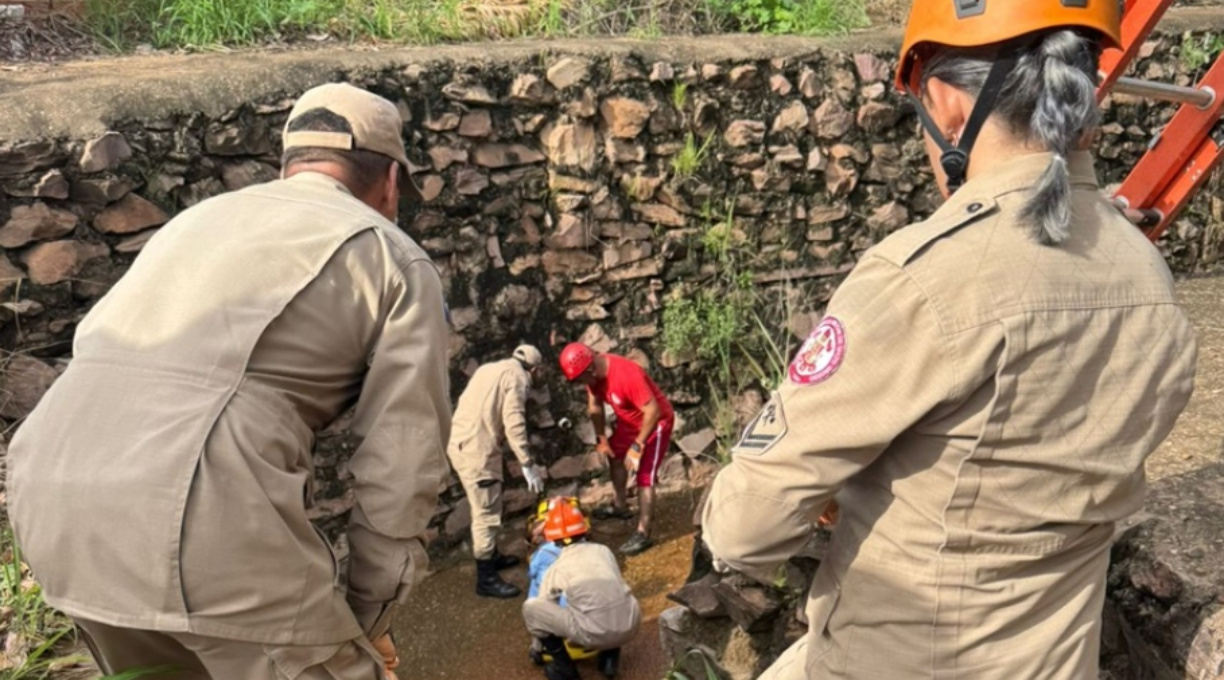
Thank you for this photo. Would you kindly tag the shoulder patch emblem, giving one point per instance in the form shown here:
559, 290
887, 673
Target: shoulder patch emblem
765, 430
821, 354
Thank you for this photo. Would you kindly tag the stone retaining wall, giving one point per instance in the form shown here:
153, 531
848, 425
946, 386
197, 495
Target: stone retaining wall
568, 195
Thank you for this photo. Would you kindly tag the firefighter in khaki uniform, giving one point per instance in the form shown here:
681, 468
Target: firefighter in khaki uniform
984, 388
160, 488
493, 409
582, 598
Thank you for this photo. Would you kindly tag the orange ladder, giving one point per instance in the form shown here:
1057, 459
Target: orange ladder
1182, 155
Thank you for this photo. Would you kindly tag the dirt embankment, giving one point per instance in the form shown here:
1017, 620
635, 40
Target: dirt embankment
1197, 439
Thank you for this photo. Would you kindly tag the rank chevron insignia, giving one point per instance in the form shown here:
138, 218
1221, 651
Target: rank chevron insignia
765, 430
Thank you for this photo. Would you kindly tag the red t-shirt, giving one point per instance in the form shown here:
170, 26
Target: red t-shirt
627, 388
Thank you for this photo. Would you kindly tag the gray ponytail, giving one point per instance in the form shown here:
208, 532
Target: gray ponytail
1049, 99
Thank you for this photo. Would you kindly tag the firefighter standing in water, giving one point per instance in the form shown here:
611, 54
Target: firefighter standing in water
985, 386
644, 421
582, 598
493, 410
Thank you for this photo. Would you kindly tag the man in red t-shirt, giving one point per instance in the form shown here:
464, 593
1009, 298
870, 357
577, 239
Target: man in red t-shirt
644, 420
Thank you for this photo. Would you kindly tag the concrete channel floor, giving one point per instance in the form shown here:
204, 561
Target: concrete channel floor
448, 633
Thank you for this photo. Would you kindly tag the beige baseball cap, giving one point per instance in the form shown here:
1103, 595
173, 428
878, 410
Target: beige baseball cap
375, 122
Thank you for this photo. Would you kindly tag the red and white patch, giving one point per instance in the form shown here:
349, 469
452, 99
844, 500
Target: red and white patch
821, 354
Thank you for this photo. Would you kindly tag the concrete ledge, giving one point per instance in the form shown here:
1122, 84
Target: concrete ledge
83, 99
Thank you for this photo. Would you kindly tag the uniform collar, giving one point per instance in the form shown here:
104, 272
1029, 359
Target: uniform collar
319, 179
979, 197
1023, 173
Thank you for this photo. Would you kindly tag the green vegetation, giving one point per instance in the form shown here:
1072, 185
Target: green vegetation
1199, 51
679, 668
204, 24
212, 23
799, 17
554, 19
31, 629
137, 673
705, 324
679, 96
721, 323
686, 162
36, 640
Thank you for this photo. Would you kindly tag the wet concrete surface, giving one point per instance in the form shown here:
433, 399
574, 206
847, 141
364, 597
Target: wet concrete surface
447, 632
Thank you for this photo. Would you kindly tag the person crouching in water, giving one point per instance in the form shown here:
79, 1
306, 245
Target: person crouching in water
599, 612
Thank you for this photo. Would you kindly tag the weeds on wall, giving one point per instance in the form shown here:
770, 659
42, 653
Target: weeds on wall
1199, 51
728, 323
204, 24
691, 156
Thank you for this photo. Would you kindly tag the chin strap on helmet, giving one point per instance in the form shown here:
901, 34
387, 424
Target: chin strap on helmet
955, 159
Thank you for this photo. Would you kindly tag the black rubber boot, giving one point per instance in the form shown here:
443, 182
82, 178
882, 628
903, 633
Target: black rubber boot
561, 666
490, 584
608, 662
501, 561
637, 544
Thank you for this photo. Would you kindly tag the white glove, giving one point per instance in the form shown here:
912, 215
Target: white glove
535, 480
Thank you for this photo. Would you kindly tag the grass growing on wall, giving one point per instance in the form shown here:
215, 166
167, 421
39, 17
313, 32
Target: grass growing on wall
730, 323
1199, 51
203, 24
691, 156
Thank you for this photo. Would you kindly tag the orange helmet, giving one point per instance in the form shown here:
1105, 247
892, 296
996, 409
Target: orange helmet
564, 520
977, 23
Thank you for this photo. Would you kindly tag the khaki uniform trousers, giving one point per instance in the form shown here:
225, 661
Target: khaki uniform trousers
792, 665
544, 617
194, 657
485, 498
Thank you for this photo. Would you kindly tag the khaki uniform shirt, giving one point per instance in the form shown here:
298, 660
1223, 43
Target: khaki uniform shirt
162, 482
982, 406
598, 600
492, 409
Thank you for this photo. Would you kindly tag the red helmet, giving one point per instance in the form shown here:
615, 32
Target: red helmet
576, 358
564, 520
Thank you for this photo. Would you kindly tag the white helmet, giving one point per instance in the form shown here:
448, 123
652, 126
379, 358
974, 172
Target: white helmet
530, 356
